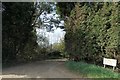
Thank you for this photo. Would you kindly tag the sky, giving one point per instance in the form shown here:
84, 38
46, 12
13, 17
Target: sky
53, 36
56, 34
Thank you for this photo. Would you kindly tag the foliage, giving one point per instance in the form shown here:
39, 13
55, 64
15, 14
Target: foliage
64, 8
78, 34
59, 46
41, 7
18, 32
42, 40
91, 71
92, 31
17, 29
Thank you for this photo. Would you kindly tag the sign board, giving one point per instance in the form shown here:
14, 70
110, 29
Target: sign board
111, 62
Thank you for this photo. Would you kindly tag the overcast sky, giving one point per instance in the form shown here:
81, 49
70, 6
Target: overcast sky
53, 36
56, 34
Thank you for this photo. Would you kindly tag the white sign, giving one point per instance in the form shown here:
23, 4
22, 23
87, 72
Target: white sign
111, 62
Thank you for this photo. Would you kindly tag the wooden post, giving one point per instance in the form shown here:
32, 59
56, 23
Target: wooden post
113, 67
104, 65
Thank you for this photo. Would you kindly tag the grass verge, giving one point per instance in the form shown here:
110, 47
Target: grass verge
90, 70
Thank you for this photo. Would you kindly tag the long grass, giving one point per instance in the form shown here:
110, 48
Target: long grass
91, 71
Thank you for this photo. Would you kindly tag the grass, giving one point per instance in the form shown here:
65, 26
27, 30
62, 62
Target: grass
91, 71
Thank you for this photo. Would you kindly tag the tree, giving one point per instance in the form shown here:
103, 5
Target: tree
64, 8
92, 31
18, 32
17, 29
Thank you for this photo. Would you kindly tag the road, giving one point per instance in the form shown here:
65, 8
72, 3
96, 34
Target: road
40, 69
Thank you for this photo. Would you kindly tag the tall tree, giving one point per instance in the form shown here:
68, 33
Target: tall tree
19, 36
92, 31
17, 18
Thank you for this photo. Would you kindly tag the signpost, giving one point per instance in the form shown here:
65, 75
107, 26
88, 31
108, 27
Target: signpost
110, 62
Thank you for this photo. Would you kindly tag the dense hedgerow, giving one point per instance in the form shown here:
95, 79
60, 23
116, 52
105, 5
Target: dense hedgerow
93, 31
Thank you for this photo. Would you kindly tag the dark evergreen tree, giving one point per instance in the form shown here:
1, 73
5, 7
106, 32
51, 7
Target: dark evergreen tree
18, 30
92, 31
